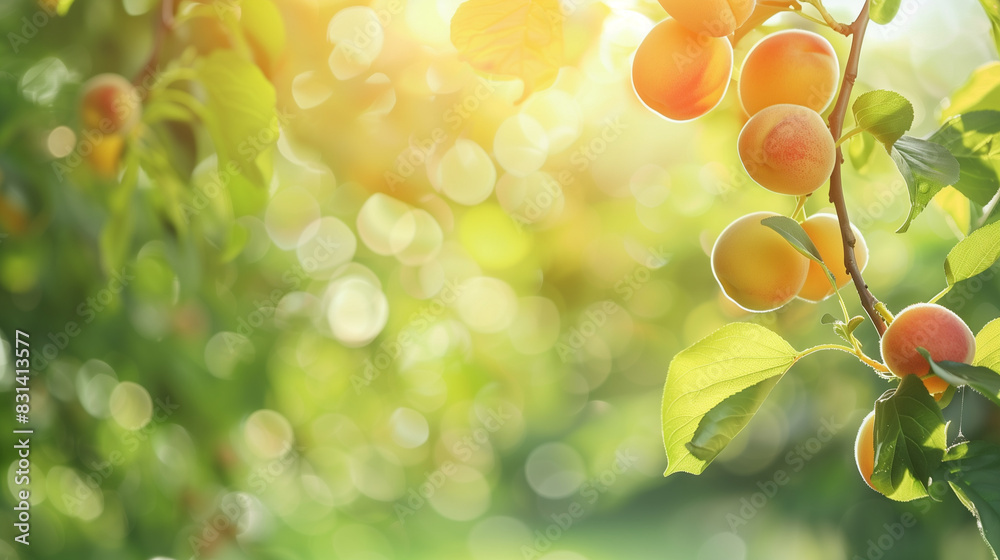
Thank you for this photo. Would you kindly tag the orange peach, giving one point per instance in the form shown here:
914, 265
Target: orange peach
934, 328
864, 449
756, 267
824, 231
794, 66
715, 18
679, 74
787, 149
110, 104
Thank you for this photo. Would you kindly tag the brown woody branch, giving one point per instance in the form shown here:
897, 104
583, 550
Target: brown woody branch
868, 300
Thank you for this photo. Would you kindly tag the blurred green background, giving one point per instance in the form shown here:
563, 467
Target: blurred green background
440, 324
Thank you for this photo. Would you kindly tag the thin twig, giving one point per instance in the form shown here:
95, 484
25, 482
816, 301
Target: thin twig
162, 25
868, 300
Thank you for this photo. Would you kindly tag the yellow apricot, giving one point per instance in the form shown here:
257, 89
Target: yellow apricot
794, 66
934, 328
787, 149
864, 449
715, 18
679, 74
756, 267
824, 231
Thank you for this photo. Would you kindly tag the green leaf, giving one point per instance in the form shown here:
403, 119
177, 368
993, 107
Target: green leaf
992, 8
794, 235
982, 91
974, 140
705, 377
882, 11
723, 422
910, 439
988, 346
886, 115
971, 470
926, 168
242, 104
984, 380
974, 254
860, 150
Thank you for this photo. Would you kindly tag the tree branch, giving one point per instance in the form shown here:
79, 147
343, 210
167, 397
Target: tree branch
161, 26
868, 300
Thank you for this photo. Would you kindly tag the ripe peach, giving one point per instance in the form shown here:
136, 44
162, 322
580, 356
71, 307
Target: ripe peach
679, 74
794, 66
936, 329
864, 449
787, 149
110, 104
715, 18
824, 231
755, 266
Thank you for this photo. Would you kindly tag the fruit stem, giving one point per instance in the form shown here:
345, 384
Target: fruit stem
799, 214
868, 300
879, 367
941, 294
849, 134
764, 11
828, 19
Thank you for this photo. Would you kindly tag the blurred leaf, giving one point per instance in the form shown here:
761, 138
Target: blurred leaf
910, 439
992, 8
242, 104
974, 140
957, 206
860, 149
116, 238
926, 168
705, 376
518, 38
984, 380
882, 11
971, 470
264, 29
974, 254
988, 346
981, 92
60, 7
885, 114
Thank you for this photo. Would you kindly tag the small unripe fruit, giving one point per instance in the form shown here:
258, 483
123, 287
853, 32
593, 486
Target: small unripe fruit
679, 74
714, 18
864, 449
110, 104
934, 328
756, 267
797, 67
824, 231
787, 149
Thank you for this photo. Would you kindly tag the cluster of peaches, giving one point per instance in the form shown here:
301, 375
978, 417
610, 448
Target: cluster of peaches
682, 70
